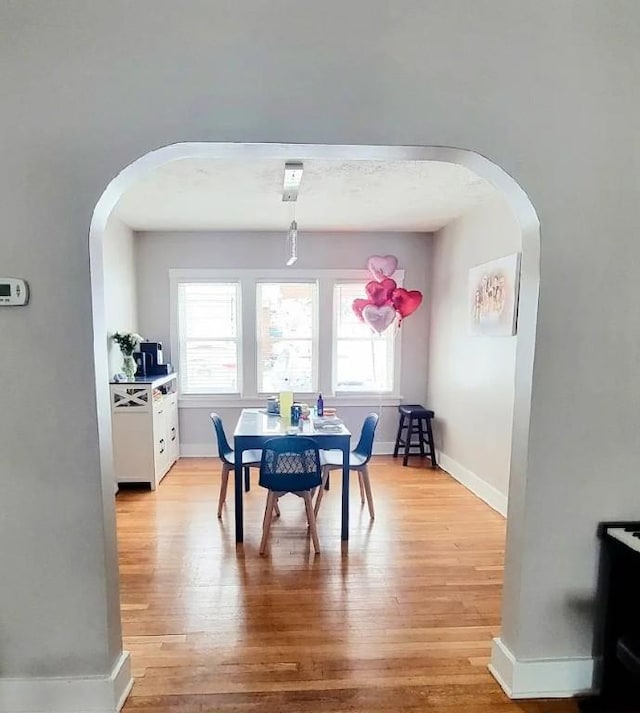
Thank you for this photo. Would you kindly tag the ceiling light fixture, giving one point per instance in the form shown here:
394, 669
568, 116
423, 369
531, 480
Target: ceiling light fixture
290, 187
292, 243
291, 183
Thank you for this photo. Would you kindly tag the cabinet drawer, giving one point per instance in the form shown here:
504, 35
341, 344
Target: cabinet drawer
173, 433
161, 455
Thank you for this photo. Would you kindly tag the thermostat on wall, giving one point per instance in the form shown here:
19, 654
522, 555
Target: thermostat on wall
13, 292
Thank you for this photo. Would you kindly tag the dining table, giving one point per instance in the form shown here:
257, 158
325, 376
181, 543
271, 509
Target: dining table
255, 427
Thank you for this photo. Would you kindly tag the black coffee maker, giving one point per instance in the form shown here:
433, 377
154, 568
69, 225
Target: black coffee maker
150, 360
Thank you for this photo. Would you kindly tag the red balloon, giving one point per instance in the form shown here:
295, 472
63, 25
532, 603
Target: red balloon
406, 302
380, 292
357, 307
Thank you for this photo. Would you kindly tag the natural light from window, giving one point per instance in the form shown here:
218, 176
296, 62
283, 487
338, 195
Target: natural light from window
287, 336
363, 360
208, 337
239, 334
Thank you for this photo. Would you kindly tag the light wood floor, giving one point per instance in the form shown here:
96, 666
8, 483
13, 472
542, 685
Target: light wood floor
401, 621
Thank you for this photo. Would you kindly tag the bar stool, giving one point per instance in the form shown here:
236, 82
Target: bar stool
419, 423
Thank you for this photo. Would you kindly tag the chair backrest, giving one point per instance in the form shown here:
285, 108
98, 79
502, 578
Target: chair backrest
224, 449
290, 464
365, 444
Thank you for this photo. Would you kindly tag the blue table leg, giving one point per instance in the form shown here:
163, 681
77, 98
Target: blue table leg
345, 492
238, 493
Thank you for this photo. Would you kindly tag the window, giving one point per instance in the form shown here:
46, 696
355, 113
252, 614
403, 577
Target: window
363, 361
286, 335
236, 334
208, 315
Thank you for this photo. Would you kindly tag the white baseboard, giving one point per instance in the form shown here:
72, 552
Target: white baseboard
198, 450
383, 448
210, 450
86, 694
541, 678
493, 497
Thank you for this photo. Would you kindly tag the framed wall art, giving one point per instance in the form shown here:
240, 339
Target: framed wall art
493, 297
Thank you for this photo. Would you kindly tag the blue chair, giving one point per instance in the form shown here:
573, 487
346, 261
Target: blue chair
358, 461
250, 459
290, 464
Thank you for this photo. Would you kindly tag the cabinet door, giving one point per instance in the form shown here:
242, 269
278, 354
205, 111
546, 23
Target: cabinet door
173, 435
132, 430
160, 442
133, 447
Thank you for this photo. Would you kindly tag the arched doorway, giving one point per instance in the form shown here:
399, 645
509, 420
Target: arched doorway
513, 194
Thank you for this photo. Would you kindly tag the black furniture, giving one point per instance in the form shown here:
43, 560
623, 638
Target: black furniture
617, 626
415, 420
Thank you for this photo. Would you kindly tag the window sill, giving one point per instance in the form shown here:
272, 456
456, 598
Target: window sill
347, 400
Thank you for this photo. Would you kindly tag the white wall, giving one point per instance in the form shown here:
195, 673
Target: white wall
471, 378
158, 252
545, 89
119, 286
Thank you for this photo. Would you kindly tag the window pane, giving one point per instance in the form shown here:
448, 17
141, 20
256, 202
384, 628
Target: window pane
292, 359
210, 310
364, 365
286, 315
209, 367
286, 310
364, 359
207, 328
348, 325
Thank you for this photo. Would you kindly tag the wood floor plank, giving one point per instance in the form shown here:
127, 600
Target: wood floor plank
400, 619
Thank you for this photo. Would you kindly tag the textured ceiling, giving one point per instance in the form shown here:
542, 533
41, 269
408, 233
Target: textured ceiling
208, 194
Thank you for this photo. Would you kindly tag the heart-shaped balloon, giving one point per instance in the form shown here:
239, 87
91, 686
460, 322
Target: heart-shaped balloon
357, 307
381, 266
379, 318
406, 301
380, 292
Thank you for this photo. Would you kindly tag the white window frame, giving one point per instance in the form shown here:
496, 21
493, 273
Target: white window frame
177, 339
398, 276
324, 344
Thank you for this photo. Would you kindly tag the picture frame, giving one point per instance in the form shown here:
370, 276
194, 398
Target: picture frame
493, 297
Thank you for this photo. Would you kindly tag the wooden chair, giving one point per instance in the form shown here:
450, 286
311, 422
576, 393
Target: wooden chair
250, 459
290, 464
358, 461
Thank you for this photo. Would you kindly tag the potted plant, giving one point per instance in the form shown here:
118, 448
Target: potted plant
128, 343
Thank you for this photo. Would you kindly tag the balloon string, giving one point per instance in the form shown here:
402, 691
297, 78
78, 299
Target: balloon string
375, 373
397, 326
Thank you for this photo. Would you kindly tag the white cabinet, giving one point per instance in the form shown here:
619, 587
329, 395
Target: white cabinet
144, 418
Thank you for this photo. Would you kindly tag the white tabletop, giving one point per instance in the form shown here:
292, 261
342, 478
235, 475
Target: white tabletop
256, 422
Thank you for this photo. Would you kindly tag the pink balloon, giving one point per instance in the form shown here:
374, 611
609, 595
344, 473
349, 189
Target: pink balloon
381, 266
380, 292
406, 302
379, 318
357, 306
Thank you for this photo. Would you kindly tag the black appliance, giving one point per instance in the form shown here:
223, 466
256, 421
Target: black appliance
154, 361
143, 363
161, 370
